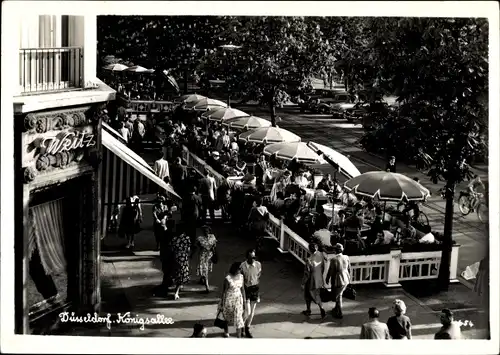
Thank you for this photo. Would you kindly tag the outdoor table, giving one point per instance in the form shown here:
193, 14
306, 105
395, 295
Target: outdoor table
364, 229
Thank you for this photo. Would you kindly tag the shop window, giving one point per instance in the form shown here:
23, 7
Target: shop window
47, 281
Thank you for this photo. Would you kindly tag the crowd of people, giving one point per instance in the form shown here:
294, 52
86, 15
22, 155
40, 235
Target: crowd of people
263, 186
135, 86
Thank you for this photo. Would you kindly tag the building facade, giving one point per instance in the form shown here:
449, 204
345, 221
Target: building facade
59, 106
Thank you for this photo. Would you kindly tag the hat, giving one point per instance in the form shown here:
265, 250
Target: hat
339, 248
215, 153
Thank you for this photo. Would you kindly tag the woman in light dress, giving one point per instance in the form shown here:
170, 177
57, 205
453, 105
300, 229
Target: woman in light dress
206, 244
233, 300
312, 282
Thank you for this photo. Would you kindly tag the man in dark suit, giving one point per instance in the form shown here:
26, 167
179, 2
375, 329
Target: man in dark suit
207, 191
178, 174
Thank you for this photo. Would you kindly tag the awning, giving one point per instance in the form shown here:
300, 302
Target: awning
113, 132
134, 160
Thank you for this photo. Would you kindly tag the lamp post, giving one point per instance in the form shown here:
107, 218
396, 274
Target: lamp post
228, 48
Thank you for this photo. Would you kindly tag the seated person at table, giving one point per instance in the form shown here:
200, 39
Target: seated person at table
355, 222
301, 180
353, 225
339, 222
234, 145
384, 238
321, 219
326, 184
370, 211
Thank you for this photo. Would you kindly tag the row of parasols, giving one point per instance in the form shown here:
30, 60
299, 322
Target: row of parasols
118, 67
285, 145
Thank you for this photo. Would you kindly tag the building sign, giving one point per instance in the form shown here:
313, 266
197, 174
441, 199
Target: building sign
68, 141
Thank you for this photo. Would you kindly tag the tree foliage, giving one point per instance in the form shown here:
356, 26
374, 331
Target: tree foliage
438, 68
277, 53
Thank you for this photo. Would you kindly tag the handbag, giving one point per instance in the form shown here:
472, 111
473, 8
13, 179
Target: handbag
215, 257
220, 323
325, 295
350, 292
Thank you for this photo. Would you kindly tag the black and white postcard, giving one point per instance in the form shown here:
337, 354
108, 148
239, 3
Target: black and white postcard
303, 176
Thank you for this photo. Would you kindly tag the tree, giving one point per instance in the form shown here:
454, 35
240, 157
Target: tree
439, 69
276, 52
175, 42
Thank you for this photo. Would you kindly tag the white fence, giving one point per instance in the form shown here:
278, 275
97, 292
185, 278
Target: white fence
389, 268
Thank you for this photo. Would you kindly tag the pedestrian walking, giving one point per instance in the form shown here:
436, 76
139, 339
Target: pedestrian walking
130, 221
312, 282
178, 174
257, 221
138, 135
339, 275
206, 244
251, 269
161, 168
233, 300
168, 261
207, 192
450, 329
391, 164
161, 214
181, 251
374, 329
223, 198
399, 324
124, 131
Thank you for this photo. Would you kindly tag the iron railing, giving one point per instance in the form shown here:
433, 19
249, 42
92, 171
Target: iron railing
50, 69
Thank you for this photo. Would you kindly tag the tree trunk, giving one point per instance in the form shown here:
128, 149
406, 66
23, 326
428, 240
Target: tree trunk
444, 269
272, 110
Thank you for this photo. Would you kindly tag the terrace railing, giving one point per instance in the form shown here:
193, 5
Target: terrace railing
50, 69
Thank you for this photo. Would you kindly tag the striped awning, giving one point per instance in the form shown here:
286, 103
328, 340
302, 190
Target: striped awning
134, 160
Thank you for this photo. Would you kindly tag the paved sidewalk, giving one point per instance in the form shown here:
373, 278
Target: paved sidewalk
128, 279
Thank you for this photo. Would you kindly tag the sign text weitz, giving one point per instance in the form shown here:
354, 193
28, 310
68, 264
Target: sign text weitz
68, 141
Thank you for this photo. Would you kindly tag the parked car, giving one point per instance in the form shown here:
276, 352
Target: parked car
339, 109
362, 110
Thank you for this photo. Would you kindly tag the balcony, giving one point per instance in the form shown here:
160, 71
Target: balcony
44, 70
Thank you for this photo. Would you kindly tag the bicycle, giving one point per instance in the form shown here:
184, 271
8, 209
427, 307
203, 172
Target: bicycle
465, 205
421, 219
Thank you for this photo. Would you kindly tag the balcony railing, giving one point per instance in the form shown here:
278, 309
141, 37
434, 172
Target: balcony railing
50, 69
